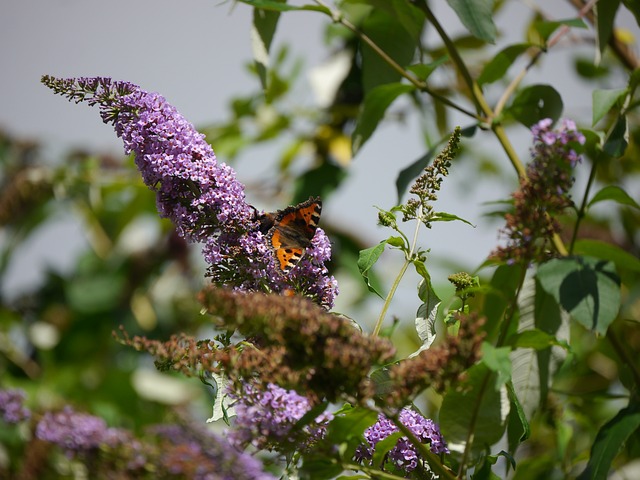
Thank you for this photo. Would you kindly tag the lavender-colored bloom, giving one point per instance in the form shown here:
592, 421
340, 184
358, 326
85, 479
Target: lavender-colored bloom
201, 196
404, 454
11, 406
199, 454
72, 431
266, 419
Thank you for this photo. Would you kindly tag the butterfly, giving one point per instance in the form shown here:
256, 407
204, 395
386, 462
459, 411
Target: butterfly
291, 230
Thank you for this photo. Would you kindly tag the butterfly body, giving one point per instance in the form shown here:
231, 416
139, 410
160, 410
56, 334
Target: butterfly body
290, 231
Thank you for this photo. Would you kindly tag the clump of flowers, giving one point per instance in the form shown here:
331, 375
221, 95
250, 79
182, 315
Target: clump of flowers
267, 419
12, 406
72, 431
403, 455
201, 196
543, 194
427, 185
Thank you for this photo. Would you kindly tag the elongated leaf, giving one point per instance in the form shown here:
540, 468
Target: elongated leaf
474, 406
375, 105
634, 7
476, 16
424, 70
615, 193
606, 251
617, 142
605, 17
609, 441
426, 316
262, 32
278, 6
548, 27
518, 428
406, 175
366, 260
603, 101
222, 404
536, 102
449, 217
498, 66
587, 288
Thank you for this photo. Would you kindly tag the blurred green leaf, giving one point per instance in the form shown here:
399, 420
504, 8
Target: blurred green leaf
497, 68
264, 28
587, 288
615, 193
604, 19
634, 7
603, 101
546, 28
374, 107
616, 143
477, 17
424, 70
498, 361
534, 103
610, 440
607, 251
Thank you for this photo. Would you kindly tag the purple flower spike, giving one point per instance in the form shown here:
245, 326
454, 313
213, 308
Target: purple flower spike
72, 431
404, 455
267, 418
12, 409
202, 197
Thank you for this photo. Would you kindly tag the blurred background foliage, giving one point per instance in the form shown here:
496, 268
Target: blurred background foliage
56, 339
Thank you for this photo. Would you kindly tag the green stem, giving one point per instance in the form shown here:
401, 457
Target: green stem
407, 260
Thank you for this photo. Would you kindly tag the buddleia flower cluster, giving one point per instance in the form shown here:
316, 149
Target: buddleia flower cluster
179, 450
266, 419
543, 193
403, 455
200, 195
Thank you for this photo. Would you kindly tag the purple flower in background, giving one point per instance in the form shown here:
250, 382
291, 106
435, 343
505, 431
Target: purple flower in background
72, 431
201, 196
11, 406
266, 419
543, 194
404, 454
197, 453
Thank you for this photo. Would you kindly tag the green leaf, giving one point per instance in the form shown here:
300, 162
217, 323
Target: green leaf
615, 193
474, 405
384, 446
518, 428
545, 29
92, 294
587, 288
536, 339
366, 260
280, 6
534, 103
449, 217
350, 423
426, 316
374, 107
476, 16
498, 361
603, 101
607, 251
609, 440
606, 14
424, 70
498, 66
634, 7
616, 142
263, 30
407, 174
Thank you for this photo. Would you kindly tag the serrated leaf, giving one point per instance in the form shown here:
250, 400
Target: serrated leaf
609, 440
474, 406
617, 140
587, 288
534, 103
497, 68
477, 17
615, 193
603, 101
374, 107
367, 258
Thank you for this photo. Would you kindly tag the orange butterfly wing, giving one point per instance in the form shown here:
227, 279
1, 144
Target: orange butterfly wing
292, 231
